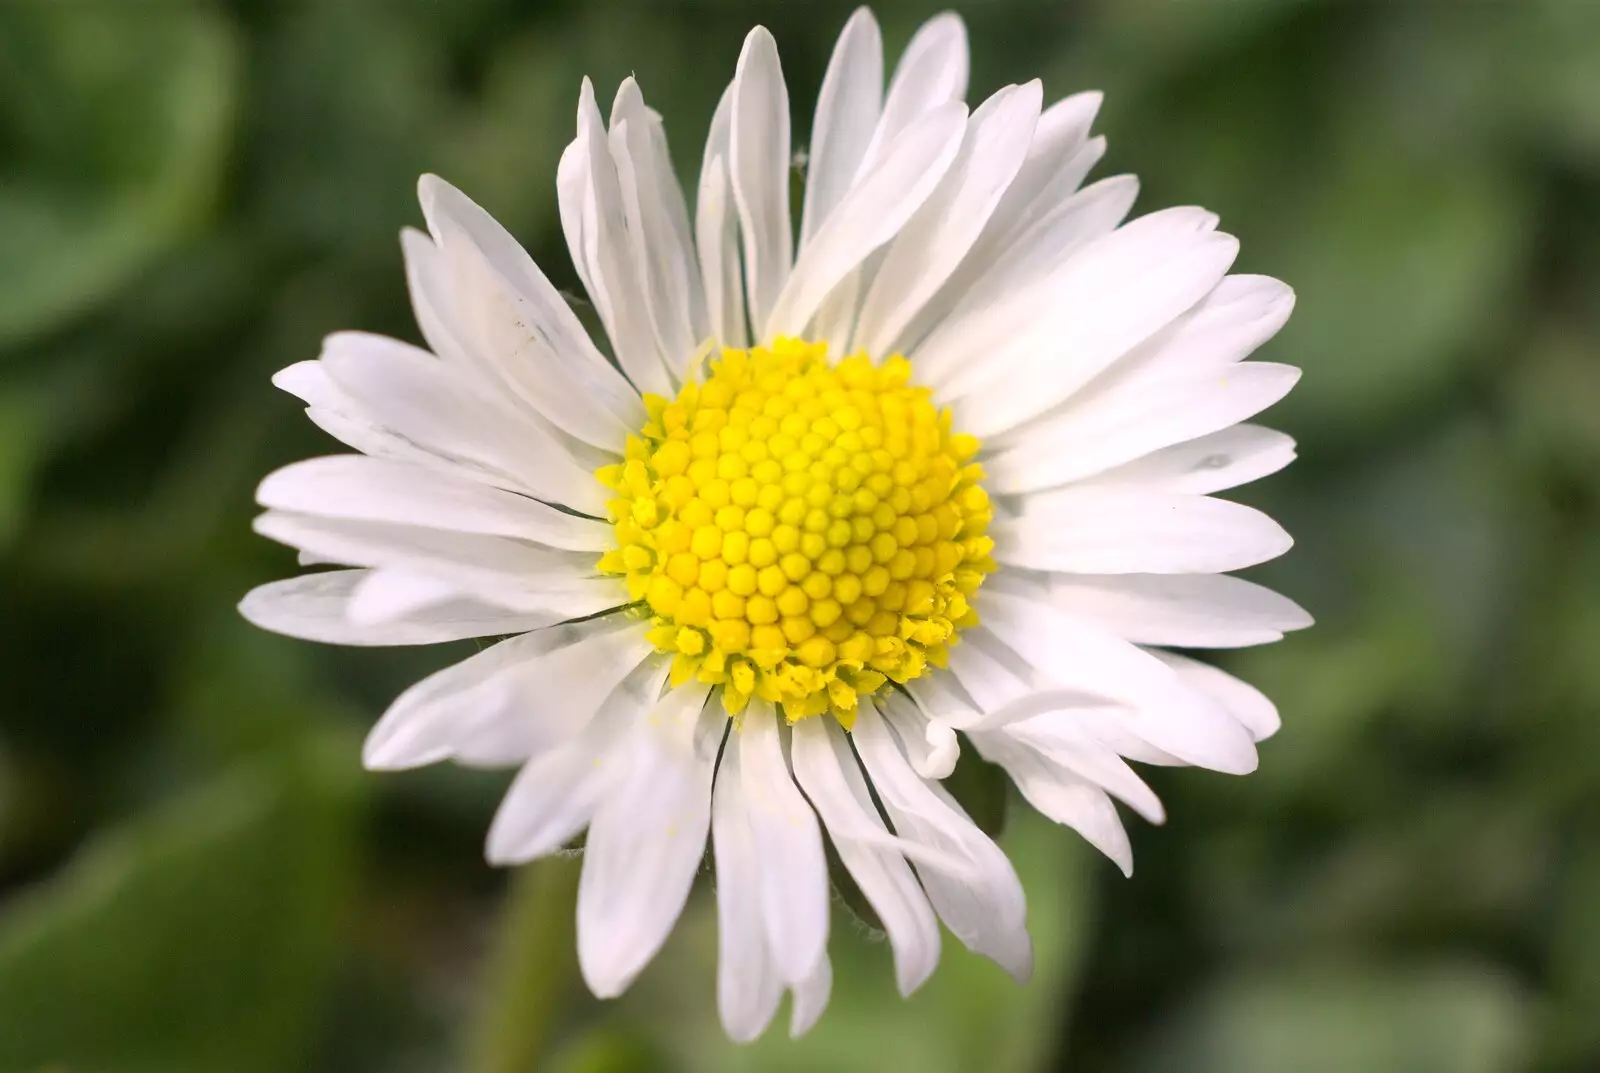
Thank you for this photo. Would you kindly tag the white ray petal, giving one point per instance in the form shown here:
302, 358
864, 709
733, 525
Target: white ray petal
495, 302
1161, 708
316, 607
758, 161
870, 214
1109, 428
828, 772
848, 107
1242, 700
508, 702
932, 71
1208, 464
935, 239
647, 839
985, 907
794, 871
496, 570
382, 490
1131, 531
749, 986
1183, 610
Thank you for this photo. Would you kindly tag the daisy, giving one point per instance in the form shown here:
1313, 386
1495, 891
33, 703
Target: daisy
932, 470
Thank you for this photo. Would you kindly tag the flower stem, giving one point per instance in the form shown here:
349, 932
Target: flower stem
531, 969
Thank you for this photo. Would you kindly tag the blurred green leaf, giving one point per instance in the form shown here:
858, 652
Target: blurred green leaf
118, 117
1448, 1019
192, 940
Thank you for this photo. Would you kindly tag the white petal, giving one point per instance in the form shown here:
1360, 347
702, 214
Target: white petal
388, 595
414, 395
316, 607
870, 214
716, 230
986, 674
382, 490
658, 224
748, 984
811, 998
932, 71
595, 223
1099, 430
930, 744
1242, 700
504, 309
1112, 295
520, 697
308, 381
1122, 531
758, 159
1161, 709
794, 870
1184, 610
1064, 741
556, 793
990, 279
1043, 180
985, 907
495, 570
1213, 463
1227, 326
828, 772
933, 242
1062, 796
647, 839
848, 107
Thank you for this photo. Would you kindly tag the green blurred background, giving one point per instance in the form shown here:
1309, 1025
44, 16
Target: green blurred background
195, 874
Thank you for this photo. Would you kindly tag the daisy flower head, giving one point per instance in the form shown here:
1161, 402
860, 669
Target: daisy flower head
826, 505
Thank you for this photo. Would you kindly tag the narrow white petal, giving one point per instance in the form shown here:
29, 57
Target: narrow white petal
1114, 294
1061, 795
414, 395
986, 674
316, 607
1131, 531
647, 839
1242, 700
931, 744
594, 219
308, 381
382, 490
1062, 740
508, 702
794, 870
501, 307
1041, 182
496, 570
932, 71
811, 998
989, 279
870, 214
933, 242
391, 594
1099, 430
1226, 326
848, 108
1213, 463
758, 159
749, 986
658, 225
555, 795
828, 772
1183, 610
1160, 707
984, 907
716, 230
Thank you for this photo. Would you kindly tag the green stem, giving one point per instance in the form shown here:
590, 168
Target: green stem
531, 970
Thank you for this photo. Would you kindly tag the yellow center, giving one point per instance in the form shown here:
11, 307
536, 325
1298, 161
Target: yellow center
800, 531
